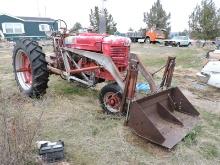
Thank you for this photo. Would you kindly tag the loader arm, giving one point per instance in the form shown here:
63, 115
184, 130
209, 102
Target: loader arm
145, 73
104, 61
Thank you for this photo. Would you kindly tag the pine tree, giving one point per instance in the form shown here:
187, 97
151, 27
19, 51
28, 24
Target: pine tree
157, 17
94, 20
130, 29
184, 33
204, 22
76, 27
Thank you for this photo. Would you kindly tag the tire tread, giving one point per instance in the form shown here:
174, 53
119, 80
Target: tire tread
40, 73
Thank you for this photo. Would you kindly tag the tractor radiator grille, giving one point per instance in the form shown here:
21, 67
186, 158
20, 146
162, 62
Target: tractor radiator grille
118, 51
119, 55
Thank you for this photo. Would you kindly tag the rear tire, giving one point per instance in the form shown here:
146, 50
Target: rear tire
35, 68
166, 44
110, 98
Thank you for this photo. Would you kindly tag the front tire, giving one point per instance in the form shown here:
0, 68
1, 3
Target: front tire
147, 40
110, 98
30, 68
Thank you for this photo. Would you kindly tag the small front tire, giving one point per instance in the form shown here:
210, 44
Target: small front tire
110, 98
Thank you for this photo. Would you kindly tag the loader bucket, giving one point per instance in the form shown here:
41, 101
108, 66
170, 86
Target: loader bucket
163, 118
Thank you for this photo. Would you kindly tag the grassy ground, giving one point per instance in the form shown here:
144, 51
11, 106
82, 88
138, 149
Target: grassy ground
72, 113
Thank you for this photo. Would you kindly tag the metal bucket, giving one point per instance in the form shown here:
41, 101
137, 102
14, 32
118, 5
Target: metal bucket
164, 118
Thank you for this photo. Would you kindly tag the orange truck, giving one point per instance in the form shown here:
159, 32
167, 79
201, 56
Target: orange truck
152, 35
155, 35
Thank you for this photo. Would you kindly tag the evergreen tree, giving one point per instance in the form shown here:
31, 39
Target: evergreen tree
130, 29
157, 17
76, 27
94, 20
184, 33
204, 22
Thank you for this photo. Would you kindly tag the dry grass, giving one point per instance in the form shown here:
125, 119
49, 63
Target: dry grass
18, 130
73, 114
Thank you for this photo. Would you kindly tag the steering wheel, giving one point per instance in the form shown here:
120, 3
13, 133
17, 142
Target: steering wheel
60, 25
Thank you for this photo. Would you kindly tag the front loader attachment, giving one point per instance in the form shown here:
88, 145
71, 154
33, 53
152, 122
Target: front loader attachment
164, 118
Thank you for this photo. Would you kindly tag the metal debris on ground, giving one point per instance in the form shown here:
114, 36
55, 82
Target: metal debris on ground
210, 73
51, 151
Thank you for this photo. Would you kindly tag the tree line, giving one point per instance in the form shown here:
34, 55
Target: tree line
204, 21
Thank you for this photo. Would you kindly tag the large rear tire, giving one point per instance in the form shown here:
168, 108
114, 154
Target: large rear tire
110, 98
30, 68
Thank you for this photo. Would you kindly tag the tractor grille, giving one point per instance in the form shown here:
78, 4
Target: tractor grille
119, 55
118, 51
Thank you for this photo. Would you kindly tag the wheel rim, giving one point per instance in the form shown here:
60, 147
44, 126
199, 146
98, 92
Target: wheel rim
23, 70
112, 102
147, 41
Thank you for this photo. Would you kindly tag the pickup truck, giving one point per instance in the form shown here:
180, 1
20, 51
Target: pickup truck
178, 41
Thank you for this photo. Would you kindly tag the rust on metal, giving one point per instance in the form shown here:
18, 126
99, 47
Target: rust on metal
164, 118
54, 70
85, 69
147, 75
168, 72
130, 84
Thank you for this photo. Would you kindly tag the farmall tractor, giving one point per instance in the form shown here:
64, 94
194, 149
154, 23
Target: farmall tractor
164, 116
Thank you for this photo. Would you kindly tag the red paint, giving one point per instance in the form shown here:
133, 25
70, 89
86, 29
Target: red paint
91, 68
112, 100
113, 46
26, 69
87, 41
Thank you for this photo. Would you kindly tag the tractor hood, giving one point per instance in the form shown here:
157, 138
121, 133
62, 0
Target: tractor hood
117, 40
86, 41
93, 41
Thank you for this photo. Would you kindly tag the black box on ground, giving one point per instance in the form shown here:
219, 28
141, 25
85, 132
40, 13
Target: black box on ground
52, 152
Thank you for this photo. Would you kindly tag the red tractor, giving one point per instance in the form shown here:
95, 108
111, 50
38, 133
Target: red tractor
164, 117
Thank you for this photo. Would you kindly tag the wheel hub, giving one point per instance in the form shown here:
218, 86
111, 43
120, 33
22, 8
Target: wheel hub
23, 70
112, 101
26, 69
